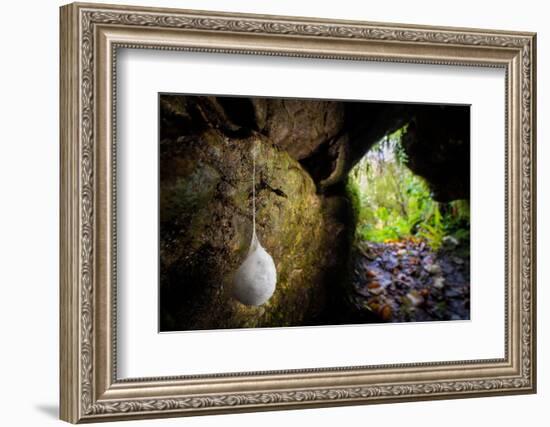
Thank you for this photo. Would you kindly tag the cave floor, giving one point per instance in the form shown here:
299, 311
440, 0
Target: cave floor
406, 281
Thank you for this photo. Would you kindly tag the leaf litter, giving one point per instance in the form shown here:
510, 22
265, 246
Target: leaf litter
406, 281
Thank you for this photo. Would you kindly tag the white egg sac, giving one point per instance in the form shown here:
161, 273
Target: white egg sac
255, 280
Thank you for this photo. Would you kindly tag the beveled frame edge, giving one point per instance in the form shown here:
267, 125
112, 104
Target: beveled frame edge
89, 36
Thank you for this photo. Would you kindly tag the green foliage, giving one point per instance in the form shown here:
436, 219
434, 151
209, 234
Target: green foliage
390, 202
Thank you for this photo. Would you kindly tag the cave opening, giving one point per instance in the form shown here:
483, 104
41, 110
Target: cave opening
409, 258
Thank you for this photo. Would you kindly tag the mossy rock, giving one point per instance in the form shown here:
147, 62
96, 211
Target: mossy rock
206, 226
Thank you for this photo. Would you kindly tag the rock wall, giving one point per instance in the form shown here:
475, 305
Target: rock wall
437, 143
206, 227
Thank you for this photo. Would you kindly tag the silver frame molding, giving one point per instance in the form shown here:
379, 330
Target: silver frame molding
90, 37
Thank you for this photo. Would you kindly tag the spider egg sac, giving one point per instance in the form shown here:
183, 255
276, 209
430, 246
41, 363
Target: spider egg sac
255, 280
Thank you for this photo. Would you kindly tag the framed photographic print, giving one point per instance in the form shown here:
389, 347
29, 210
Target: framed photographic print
265, 212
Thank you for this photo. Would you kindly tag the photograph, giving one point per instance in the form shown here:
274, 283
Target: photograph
264, 212
288, 212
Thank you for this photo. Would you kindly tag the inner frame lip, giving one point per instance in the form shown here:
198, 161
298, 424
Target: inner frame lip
504, 364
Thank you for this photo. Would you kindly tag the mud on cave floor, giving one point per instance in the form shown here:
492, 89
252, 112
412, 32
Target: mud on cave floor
406, 281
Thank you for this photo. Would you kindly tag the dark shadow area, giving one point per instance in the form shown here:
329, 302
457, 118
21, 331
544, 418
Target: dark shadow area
50, 410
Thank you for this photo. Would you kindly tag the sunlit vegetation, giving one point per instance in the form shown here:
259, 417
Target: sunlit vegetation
392, 203
411, 253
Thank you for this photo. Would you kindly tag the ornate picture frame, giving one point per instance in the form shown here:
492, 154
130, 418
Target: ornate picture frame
90, 37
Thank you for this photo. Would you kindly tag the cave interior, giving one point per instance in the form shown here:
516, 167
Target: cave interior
305, 150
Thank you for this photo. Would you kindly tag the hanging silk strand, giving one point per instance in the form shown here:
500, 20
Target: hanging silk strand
255, 280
